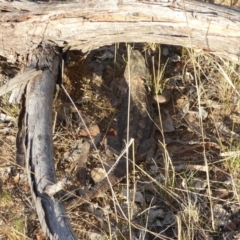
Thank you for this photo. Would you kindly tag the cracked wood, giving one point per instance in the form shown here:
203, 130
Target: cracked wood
86, 25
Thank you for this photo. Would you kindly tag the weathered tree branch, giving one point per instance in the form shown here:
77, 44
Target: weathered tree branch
87, 25
35, 142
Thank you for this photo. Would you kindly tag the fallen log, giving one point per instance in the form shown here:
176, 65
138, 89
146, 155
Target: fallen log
86, 25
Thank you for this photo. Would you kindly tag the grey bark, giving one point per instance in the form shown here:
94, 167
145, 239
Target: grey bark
86, 25
36, 137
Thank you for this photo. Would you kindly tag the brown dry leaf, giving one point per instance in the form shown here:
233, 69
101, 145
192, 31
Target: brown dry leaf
11, 139
183, 104
5, 130
93, 130
160, 99
97, 80
164, 97
16, 179
220, 193
111, 132
98, 174
230, 226
75, 151
40, 234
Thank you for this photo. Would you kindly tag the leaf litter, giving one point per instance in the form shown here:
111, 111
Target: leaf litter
197, 117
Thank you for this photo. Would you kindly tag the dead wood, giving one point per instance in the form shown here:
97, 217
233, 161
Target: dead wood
20, 79
86, 25
34, 143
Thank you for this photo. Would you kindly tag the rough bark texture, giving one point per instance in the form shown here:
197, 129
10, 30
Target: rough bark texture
35, 142
87, 25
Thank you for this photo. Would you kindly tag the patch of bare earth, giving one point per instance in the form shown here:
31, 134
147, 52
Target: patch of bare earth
189, 190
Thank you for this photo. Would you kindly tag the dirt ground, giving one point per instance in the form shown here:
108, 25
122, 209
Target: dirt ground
189, 190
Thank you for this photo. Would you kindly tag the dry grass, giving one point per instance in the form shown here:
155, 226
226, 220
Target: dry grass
190, 190
177, 192
161, 201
